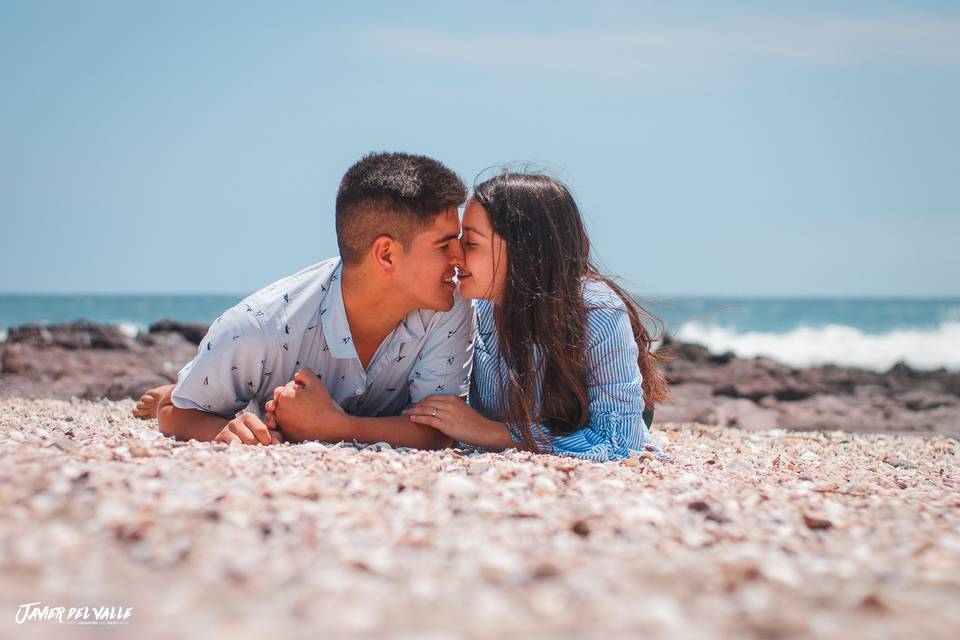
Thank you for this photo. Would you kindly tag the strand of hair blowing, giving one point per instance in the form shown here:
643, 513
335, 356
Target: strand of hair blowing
541, 317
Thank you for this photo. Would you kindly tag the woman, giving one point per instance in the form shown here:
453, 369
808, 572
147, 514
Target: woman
562, 361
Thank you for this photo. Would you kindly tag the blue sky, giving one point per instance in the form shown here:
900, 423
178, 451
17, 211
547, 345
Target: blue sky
737, 148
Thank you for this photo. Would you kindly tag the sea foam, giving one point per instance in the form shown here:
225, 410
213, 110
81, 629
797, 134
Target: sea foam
837, 344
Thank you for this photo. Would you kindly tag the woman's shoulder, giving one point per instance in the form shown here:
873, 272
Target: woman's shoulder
598, 295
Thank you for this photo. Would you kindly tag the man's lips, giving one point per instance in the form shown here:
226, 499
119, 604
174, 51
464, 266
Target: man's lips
455, 279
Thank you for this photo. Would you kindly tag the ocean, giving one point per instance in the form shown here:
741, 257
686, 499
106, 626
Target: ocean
859, 332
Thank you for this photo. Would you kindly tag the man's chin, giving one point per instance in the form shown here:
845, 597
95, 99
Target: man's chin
441, 302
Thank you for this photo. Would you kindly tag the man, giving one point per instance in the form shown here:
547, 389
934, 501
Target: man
361, 336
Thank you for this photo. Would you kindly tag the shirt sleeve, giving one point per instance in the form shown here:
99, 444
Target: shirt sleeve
615, 393
444, 364
227, 371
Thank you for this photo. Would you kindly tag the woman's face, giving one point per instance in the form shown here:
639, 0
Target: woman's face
484, 253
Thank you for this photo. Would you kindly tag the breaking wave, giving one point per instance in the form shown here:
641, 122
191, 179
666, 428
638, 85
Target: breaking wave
837, 344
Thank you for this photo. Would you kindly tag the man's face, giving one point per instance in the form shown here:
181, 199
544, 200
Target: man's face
425, 272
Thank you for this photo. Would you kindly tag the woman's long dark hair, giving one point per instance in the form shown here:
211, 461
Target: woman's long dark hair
541, 307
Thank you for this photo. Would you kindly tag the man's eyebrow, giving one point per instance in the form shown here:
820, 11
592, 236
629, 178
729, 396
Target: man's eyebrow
447, 238
472, 230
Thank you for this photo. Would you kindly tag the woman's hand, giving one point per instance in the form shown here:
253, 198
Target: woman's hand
456, 420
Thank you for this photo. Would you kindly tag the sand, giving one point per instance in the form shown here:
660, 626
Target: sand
762, 534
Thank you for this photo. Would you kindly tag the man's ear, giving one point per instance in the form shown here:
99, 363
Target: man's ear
385, 251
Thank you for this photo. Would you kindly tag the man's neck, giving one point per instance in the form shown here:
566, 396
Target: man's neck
372, 308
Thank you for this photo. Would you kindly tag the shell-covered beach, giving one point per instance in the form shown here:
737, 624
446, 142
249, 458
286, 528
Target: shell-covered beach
765, 533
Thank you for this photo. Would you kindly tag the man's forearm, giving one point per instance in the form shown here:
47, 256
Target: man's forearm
397, 431
188, 424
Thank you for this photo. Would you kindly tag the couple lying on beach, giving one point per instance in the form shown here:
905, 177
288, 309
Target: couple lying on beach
381, 344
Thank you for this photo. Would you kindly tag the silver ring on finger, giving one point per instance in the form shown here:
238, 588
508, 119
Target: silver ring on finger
434, 414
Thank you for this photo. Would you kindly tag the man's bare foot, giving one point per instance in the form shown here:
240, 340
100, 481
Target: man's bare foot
146, 408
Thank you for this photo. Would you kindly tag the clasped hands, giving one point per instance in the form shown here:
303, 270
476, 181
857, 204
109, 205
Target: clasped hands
300, 410
303, 409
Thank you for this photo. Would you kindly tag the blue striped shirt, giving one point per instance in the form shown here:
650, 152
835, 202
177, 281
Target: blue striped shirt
615, 426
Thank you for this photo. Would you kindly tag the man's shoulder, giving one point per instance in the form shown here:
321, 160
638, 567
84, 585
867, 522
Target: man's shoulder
293, 295
316, 276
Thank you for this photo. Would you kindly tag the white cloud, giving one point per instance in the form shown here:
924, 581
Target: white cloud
916, 39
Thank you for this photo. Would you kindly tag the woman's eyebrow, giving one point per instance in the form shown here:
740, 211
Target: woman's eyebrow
472, 230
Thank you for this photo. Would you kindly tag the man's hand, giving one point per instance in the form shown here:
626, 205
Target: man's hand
248, 429
303, 409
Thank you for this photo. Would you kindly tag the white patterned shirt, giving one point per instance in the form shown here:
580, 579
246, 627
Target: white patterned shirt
300, 321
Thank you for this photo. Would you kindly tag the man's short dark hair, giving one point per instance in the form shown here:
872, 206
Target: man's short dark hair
395, 194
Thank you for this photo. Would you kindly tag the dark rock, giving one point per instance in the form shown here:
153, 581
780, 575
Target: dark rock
14, 360
581, 528
75, 335
193, 332
922, 400
813, 522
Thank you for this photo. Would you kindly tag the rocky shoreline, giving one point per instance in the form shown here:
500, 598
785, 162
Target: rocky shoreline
94, 361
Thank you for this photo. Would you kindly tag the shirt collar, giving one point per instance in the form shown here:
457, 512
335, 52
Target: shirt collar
411, 328
336, 327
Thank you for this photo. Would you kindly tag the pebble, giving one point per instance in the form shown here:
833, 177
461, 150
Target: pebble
457, 486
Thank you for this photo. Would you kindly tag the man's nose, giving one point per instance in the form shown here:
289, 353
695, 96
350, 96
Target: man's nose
456, 254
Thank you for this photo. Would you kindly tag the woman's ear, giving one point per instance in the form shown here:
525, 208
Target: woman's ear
384, 252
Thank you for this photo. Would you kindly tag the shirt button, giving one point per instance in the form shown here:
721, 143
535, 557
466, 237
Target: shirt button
358, 392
